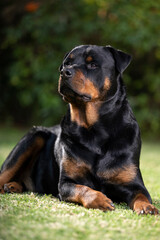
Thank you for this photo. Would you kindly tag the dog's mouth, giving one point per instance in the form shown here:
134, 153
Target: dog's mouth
69, 94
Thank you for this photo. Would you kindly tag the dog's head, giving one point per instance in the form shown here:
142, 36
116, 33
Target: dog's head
88, 73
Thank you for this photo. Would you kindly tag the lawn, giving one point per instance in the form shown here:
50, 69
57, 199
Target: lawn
30, 216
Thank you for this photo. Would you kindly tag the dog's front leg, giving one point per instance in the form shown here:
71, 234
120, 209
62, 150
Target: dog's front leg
73, 187
85, 196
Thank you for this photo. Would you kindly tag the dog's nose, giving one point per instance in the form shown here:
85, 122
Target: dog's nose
66, 72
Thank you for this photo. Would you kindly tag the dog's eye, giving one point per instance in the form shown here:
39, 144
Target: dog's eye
92, 65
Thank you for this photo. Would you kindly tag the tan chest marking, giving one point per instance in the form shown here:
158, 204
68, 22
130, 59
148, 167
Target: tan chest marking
119, 175
75, 168
85, 115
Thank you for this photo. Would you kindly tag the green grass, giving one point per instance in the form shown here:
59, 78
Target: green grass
30, 216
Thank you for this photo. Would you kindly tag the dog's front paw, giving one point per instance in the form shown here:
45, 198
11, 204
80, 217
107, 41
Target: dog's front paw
98, 200
141, 205
145, 208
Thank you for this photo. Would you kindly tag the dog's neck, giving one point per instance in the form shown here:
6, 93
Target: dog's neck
86, 114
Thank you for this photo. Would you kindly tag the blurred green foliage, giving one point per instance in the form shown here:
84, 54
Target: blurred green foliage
34, 41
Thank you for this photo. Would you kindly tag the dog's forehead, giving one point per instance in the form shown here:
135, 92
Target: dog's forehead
98, 52
86, 50
78, 51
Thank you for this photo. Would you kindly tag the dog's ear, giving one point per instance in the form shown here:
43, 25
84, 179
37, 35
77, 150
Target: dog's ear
122, 60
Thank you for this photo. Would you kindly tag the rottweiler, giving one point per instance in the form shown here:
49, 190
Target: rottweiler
92, 157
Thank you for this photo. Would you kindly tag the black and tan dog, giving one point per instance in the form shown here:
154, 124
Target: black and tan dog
92, 158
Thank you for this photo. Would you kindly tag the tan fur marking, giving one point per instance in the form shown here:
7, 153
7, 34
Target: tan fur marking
77, 115
74, 168
90, 89
78, 81
8, 174
107, 83
92, 113
84, 86
120, 175
71, 55
89, 59
85, 115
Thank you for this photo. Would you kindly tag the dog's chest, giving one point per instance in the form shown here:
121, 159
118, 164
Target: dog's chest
100, 172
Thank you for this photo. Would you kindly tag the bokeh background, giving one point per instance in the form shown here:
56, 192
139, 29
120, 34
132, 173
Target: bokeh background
35, 35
